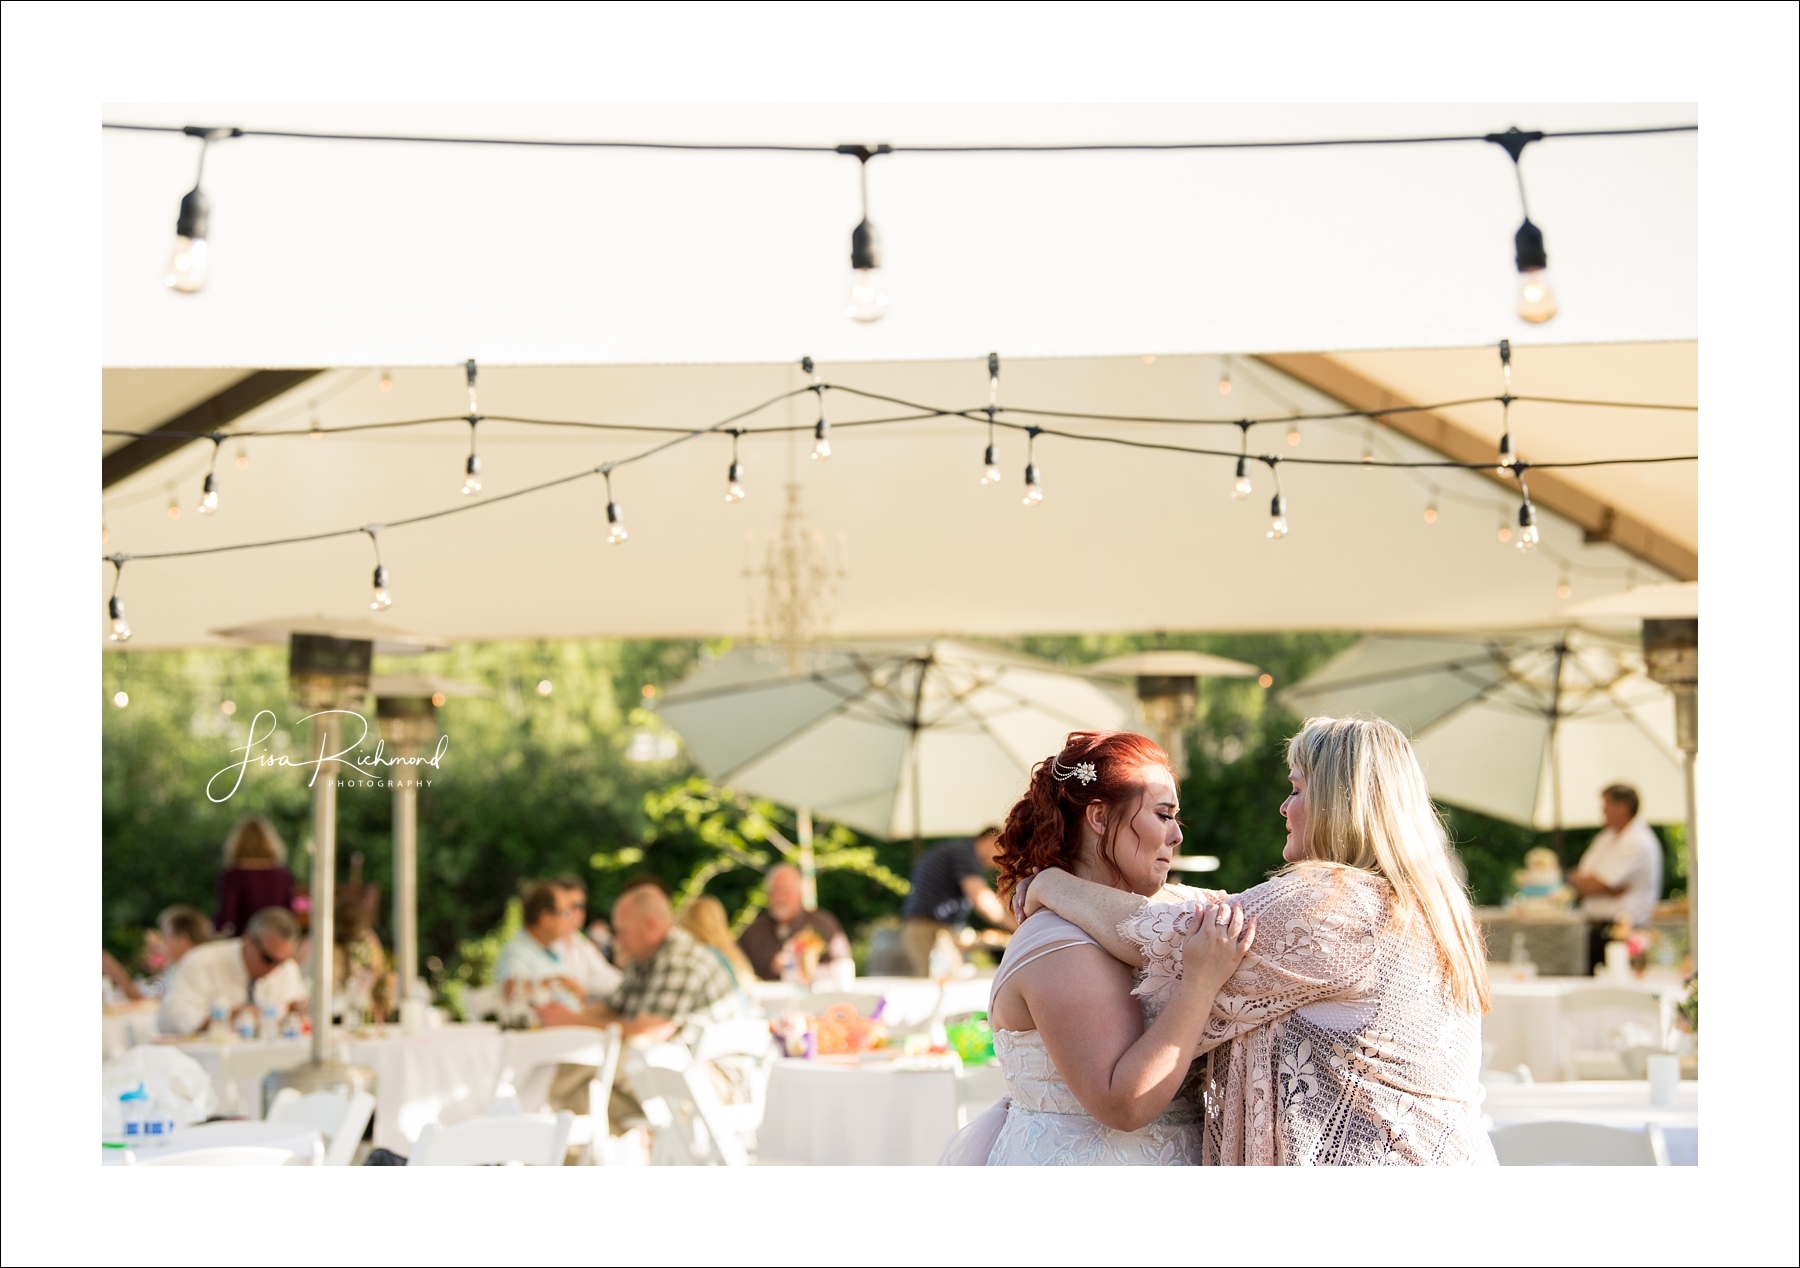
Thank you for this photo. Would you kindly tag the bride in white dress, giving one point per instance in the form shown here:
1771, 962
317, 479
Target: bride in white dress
1096, 1077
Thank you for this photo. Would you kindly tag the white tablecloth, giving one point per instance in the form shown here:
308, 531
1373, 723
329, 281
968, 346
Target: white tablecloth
1525, 1020
296, 1139
125, 1026
1606, 1103
825, 1114
443, 1075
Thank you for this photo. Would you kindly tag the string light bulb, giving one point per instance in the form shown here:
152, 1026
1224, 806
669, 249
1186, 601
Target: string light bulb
243, 459
822, 428
472, 468
1504, 532
1242, 489
1563, 588
115, 606
734, 476
174, 505
1536, 299
315, 431
209, 489
1293, 436
379, 600
868, 290
1278, 525
990, 473
120, 699
1431, 512
1225, 377
186, 272
1528, 532
105, 536
387, 381
1508, 458
1034, 487
615, 518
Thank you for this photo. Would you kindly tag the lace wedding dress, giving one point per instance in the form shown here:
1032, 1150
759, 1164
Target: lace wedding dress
1040, 1123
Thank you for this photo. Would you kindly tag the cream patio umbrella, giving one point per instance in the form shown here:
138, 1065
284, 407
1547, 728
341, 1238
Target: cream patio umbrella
1524, 725
897, 739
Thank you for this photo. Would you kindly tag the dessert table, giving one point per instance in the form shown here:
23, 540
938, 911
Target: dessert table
299, 1140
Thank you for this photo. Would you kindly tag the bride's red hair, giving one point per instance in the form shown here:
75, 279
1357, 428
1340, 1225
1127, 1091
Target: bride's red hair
1043, 829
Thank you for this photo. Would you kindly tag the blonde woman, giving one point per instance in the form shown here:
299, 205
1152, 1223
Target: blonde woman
704, 919
1351, 1033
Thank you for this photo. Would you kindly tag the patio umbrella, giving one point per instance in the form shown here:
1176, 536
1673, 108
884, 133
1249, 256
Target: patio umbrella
1525, 725
929, 738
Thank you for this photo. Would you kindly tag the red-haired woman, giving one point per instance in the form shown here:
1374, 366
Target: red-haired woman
1095, 1077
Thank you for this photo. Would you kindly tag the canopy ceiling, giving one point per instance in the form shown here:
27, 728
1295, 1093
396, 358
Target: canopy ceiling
1124, 540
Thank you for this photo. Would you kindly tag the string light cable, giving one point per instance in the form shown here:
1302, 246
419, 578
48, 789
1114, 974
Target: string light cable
990, 460
868, 301
380, 601
115, 606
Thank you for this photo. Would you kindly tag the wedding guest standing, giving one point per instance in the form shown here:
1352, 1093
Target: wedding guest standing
255, 874
949, 883
1620, 874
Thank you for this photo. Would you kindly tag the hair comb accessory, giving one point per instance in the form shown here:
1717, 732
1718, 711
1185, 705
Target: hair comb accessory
1084, 771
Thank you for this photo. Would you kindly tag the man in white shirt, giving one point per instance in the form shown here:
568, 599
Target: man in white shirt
581, 959
1620, 875
530, 966
256, 971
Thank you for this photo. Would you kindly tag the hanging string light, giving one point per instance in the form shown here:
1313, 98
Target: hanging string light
472, 468
1225, 377
387, 381
1507, 455
380, 601
1278, 525
1242, 488
868, 295
821, 429
1563, 588
115, 606
615, 519
1504, 532
734, 477
186, 271
990, 473
1293, 435
1537, 302
1034, 489
243, 457
1528, 533
174, 505
315, 431
105, 536
209, 490
1431, 507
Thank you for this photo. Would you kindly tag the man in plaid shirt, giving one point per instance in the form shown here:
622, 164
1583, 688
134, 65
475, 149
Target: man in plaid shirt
673, 986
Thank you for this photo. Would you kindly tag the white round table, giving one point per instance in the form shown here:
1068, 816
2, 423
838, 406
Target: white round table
831, 1113
298, 1139
1526, 1020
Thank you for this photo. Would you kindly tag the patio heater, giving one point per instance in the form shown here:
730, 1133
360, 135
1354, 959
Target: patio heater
1672, 658
328, 677
406, 708
1168, 688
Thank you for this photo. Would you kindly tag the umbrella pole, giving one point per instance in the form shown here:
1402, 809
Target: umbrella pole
406, 884
918, 843
1693, 864
1556, 756
809, 882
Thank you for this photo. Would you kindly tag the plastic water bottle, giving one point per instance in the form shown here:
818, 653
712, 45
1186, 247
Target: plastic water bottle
246, 1024
134, 1109
290, 1026
271, 1025
158, 1125
218, 1030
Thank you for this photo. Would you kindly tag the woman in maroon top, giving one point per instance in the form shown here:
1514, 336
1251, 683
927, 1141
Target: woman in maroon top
255, 874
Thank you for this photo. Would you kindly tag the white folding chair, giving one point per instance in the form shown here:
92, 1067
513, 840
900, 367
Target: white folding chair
1646, 1013
528, 1139
219, 1156
687, 1118
340, 1119
1578, 1145
528, 1061
746, 1037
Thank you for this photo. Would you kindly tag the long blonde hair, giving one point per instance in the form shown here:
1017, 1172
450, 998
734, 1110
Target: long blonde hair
254, 837
703, 917
1367, 807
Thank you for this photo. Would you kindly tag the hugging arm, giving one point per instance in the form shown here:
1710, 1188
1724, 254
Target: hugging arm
1095, 909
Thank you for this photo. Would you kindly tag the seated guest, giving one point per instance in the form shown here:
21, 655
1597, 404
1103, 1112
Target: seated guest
179, 929
255, 874
785, 916
704, 918
581, 959
256, 971
949, 882
530, 966
672, 987
1619, 877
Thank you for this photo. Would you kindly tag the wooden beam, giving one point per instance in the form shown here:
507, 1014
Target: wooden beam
256, 388
1599, 520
